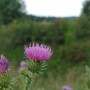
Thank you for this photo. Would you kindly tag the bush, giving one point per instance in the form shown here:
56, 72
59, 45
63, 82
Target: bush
22, 32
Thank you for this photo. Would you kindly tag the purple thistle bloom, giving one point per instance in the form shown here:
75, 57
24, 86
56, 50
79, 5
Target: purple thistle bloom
38, 52
23, 64
66, 88
4, 65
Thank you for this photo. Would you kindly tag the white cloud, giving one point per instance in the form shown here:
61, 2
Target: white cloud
54, 7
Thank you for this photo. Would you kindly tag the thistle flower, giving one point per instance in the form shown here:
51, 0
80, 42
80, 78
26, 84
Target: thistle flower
66, 88
4, 65
38, 52
23, 64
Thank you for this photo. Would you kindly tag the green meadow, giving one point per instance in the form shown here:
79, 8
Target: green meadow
69, 39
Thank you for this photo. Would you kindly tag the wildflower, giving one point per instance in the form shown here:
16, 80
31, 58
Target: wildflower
38, 52
4, 65
23, 64
66, 88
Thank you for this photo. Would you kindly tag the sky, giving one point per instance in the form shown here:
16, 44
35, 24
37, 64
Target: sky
57, 8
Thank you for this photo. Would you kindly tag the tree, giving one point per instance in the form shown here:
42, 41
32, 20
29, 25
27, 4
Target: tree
10, 10
83, 25
86, 8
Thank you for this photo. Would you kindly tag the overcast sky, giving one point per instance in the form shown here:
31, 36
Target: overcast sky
59, 8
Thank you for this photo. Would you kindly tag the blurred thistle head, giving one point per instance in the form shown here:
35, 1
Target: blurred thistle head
4, 65
66, 88
38, 52
23, 64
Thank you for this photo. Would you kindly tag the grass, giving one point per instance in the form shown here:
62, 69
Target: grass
72, 78
53, 79
59, 73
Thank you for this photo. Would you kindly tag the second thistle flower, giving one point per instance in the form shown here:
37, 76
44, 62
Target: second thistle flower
4, 65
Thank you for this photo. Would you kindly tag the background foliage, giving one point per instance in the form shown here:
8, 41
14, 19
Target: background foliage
68, 37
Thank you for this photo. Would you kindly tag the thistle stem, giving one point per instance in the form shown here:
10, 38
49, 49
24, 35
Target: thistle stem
28, 83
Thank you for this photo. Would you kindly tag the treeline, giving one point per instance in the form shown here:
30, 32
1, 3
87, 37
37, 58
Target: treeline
54, 33
48, 19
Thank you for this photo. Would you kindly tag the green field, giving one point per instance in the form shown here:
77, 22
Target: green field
69, 39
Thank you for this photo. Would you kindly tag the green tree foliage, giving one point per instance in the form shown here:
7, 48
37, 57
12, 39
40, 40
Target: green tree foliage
10, 10
83, 28
83, 32
83, 25
24, 31
86, 8
50, 33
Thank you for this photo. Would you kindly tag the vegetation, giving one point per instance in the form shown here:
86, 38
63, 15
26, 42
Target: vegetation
69, 39
10, 10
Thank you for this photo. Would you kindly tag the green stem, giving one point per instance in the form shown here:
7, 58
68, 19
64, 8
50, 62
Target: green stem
28, 78
28, 83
